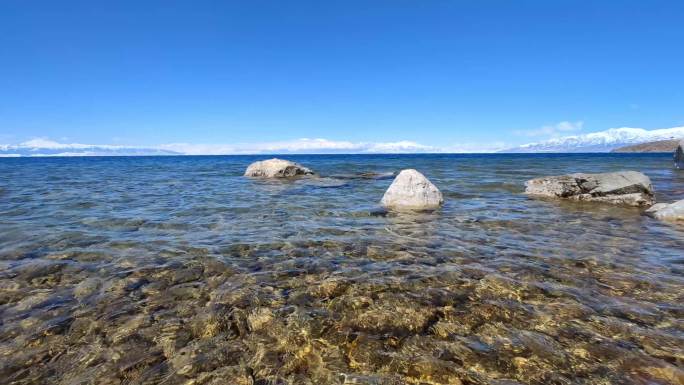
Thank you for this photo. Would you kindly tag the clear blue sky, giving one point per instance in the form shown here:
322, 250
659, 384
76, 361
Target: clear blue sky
434, 72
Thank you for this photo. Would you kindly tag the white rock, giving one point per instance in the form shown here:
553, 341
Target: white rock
276, 168
411, 190
625, 188
668, 212
656, 207
679, 156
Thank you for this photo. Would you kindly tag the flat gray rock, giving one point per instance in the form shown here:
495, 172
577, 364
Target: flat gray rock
276, 168
629, 188
668, 211
679, 156
411, 190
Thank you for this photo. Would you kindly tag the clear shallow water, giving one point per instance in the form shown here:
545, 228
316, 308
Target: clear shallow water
177, 270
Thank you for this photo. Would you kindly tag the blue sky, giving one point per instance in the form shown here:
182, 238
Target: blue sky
438, 73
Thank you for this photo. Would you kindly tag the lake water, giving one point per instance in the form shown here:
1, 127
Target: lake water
178, 270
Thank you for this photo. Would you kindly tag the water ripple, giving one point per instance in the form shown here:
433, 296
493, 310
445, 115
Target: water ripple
177, 270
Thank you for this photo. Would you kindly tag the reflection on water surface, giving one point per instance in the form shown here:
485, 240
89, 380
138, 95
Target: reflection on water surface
180, 271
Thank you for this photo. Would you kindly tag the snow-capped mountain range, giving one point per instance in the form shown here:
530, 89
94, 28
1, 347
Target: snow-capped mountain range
602, 141
44, 147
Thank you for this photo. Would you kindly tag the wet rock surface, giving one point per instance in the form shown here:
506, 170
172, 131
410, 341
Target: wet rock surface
411, 190
276, 168
153, 283
629, 188
668, 211
679, 156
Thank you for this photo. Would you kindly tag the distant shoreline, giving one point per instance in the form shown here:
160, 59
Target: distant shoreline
660, 146
463, 154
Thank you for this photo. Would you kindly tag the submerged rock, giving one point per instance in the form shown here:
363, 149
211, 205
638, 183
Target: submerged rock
276, 168
624, 187
679, 156
668, 211
366, 175
411, 190
376, 175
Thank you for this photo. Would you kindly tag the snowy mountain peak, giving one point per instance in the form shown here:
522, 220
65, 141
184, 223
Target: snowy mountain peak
602, 141
46, 147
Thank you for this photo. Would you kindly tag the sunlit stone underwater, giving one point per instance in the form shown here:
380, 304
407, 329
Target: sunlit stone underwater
179, 270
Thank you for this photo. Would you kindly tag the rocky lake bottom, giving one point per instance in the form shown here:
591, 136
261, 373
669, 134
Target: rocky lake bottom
178, 270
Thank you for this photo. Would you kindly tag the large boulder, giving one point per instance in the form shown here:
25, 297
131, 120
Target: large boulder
625, 188
668, 211
411, 190
679, 156
276, 168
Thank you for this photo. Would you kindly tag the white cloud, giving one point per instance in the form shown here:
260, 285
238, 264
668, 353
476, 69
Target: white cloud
45, 143
554, 130
303, 145
47, 147
475, 148
401, 146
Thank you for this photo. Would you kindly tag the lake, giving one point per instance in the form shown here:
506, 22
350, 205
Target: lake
179, 270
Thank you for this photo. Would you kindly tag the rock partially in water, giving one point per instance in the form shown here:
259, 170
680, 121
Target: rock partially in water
629, 188
322, 182
411, 190
679, 156
366, 175
668, 211
376, 175
276, 168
